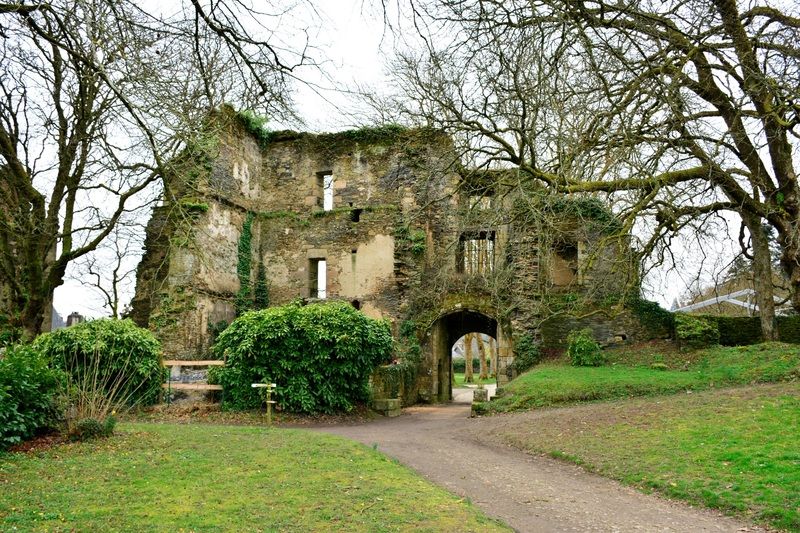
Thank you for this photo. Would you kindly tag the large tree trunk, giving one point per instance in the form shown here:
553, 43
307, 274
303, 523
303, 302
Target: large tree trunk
482, 356
493, 357
468, 358
762, 275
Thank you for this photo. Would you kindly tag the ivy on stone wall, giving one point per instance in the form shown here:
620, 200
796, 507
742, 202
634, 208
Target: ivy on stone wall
410, 239
261, 291
244, 296
401, 375
250, 295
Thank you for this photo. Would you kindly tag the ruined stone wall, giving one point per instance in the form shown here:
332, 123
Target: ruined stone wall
396, 243
382, 188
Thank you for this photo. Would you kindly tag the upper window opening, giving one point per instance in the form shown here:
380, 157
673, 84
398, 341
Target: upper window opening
480, 202
476, 252
325, 186
355, 215
565, 263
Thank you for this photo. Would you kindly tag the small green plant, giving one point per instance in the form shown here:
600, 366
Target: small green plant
695, 332
8, 333
193, 205
583, 350
526, 353
255, 125
90, 428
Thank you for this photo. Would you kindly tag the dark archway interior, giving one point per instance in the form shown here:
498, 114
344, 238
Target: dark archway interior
460, 323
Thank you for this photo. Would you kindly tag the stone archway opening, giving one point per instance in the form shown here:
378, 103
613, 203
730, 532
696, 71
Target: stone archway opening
474, 358
444, 333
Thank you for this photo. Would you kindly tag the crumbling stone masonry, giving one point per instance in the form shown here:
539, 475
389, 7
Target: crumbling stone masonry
384, 218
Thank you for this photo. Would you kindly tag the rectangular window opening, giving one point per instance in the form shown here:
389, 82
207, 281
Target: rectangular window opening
480, 202
318, 278
565, 263
325, 189
475, 253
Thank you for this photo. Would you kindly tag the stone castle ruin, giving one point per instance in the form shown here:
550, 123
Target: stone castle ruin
388, 220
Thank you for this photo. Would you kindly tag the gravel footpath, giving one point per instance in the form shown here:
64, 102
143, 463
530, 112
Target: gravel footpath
527, 492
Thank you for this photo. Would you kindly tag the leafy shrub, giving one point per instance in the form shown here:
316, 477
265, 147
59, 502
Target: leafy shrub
90, 428
526, 354
583, 350
117, 359
8, 333
319, 355
29, 394
695, 332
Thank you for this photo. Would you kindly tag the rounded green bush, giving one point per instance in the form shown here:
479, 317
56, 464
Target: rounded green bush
583, 350
29, 395
124, 358
695, 332
320, 356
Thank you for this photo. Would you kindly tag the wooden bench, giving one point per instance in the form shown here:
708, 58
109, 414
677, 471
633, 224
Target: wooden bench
178, 363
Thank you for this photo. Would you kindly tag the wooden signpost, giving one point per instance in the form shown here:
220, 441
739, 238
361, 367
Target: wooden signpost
268, 390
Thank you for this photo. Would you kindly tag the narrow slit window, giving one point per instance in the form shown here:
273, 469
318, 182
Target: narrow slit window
318, 278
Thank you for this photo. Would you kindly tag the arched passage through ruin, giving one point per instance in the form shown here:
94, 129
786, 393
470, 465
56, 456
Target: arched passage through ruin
443, 334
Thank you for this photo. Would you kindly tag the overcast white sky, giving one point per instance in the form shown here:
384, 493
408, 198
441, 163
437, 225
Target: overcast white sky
350, 38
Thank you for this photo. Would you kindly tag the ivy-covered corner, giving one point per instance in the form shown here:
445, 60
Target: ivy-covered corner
397, 380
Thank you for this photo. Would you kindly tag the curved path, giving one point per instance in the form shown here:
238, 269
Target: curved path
527, 492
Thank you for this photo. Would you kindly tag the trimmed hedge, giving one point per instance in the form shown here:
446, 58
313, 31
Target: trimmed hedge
745, 330
319, 355
124, 357
29, 395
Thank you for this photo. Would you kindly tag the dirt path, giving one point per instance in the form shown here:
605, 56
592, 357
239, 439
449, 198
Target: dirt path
529, 493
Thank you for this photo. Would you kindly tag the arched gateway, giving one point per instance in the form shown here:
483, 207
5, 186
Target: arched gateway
438, 343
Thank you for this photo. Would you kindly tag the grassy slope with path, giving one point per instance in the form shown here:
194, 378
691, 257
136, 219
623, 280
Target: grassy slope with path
164, 477
735, 449
557, 383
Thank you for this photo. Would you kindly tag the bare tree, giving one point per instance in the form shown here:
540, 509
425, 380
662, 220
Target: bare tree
678, 111
110, 269
96, 100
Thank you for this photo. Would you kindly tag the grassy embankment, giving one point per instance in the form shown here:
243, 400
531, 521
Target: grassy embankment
734, 448
648, 372
168, 477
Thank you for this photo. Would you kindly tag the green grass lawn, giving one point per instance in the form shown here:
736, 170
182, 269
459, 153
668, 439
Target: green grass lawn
459, 380
735, 449
169, 477
558, 383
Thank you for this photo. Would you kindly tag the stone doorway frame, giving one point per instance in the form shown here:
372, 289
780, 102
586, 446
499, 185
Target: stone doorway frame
443, 332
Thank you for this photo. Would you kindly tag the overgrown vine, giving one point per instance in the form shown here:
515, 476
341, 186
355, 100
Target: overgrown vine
244, 296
